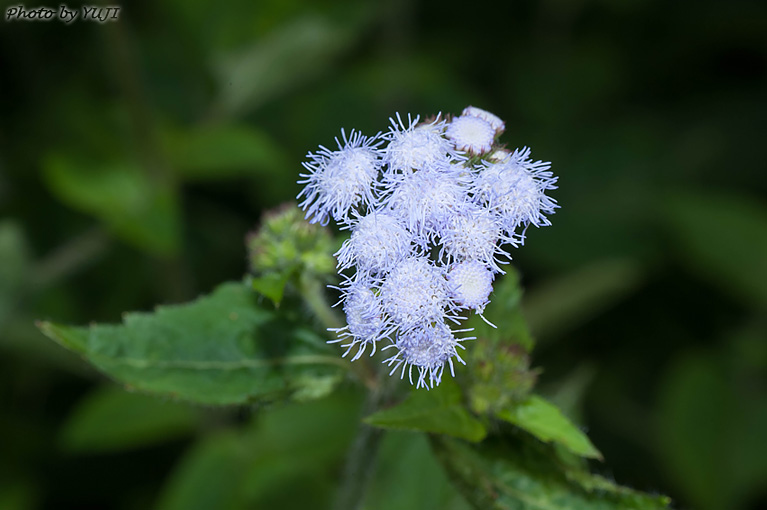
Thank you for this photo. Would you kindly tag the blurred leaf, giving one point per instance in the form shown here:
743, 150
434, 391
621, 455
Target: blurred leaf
253, 467
223, 152
438, 410
546, 422
306, 441
220, 349
725, 241
209, 476
513, 475
111, 419
14, 267
138, 209
568, 302
408, 477
712, 433
287, 57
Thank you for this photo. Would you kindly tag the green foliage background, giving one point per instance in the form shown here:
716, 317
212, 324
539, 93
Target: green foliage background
135, 156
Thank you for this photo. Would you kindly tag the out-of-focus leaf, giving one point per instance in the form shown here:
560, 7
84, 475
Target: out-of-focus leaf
209, 476
438, 410
254, 467
112, 419
724, 238
712, 434
13, 268
546, 422
498, 359
298, 442
19, 494
222, 152
517, 475
408, 477
221, 349
286, 58
139, 209
564, 304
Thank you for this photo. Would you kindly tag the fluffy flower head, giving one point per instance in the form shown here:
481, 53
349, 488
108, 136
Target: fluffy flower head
378, 242
471, 285
471, 134
415, 292
339, 180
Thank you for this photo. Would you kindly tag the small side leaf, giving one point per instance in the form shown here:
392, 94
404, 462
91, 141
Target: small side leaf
438, 410
221, 349
546, 422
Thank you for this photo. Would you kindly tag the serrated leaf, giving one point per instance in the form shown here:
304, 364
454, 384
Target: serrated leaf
438, 410
222, 152
724, 240
513, 474
220, 349
111, 419
546, 422
124, 197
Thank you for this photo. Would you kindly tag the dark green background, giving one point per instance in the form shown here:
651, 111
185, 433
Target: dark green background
135, 156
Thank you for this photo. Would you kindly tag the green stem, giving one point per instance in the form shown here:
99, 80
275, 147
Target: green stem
361, 461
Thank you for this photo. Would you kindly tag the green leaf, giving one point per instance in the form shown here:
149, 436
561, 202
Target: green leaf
561, 305
514, 474
111, 419
220, 349
408, 477
209, 476
438, 410
723, 238
543, 420
272, 285
222, 152
134, 206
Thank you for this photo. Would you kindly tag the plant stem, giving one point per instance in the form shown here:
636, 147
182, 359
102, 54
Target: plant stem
361, 462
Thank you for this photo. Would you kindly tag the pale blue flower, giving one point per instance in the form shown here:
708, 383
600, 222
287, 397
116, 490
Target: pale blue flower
378, 242
340, 180
366, 323
426, 348
471, 134
471, 283
474, 233
429, 231
415, 147
515, 190
414, 292
497, 124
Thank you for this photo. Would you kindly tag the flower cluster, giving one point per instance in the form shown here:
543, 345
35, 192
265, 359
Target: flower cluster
433, 208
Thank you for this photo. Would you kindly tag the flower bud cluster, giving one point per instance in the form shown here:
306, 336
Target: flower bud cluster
433, 208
